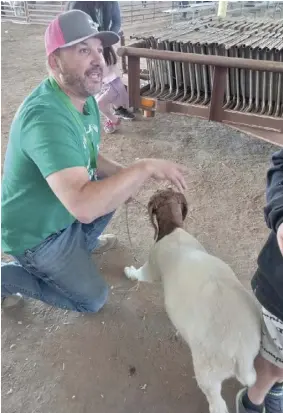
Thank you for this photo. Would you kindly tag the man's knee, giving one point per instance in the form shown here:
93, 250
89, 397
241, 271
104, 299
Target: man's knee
94, 302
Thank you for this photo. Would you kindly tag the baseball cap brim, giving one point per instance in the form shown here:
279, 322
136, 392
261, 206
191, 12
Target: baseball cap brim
107, 39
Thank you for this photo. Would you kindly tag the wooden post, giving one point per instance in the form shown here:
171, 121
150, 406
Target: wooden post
134, 81
123, 58
217, 96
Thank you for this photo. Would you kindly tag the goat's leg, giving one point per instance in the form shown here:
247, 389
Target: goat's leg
213, 394
139, 274
245, 372
210, 385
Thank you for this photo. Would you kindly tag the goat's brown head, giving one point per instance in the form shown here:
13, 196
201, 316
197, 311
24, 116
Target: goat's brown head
167, 210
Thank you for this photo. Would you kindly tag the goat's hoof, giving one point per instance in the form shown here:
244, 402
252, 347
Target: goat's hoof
130, 272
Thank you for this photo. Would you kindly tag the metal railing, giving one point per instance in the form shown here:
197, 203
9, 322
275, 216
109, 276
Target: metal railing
269, 128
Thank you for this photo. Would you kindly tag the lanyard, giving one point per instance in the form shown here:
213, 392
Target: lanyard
92, 149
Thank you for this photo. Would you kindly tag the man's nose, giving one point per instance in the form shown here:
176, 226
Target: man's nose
97, 57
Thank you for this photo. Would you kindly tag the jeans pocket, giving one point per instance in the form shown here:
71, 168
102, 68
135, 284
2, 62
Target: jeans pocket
31, 253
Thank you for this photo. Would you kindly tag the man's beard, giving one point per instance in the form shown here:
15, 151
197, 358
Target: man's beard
83, 86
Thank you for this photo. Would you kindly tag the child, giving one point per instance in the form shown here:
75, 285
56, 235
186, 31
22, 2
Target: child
113, 95
267, 393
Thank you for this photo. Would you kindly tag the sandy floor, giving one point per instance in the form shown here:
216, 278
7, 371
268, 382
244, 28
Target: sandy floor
126, 358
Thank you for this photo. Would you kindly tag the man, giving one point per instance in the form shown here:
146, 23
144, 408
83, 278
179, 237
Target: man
58, 191
107, 16
267, 393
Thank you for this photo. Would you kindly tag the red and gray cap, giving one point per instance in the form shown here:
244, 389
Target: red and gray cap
73, 27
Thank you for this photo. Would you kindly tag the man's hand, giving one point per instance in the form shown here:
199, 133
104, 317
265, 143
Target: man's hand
161, 170
280, 237
88, 200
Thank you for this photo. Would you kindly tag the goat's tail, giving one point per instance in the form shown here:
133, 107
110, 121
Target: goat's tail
245, 372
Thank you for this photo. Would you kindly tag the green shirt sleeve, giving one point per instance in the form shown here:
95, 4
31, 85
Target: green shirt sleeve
51, 141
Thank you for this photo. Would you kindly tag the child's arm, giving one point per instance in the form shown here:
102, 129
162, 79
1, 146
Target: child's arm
274, 194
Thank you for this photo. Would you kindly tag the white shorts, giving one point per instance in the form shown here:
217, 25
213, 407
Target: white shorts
272, 338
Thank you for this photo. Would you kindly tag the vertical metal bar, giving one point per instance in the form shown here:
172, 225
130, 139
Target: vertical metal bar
243, 80
228, 85
217, 96
26, 11
257, 85
150, 67
270, 86
238, 80
197, 68
162, 71
263, 87
156, 65
185, 74
192, 77
134, 81
251, 84
279, 90
205, 70
170, 73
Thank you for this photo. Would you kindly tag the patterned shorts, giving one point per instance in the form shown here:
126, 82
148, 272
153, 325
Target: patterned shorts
272, 338
114, 93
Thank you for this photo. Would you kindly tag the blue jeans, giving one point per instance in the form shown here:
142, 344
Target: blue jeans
60, 271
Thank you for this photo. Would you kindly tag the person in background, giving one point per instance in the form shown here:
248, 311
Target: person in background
107, 16
267, 393
113, 92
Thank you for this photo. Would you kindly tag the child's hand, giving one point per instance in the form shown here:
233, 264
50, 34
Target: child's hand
280, 237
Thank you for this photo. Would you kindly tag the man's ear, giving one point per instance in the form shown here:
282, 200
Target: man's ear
53, 61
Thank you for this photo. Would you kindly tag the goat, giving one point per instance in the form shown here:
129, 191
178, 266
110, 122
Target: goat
218, 318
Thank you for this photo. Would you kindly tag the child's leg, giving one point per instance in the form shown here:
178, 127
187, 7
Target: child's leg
121, 95
105, 101
121, 103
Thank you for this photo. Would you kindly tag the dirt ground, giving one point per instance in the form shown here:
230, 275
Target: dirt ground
126, 359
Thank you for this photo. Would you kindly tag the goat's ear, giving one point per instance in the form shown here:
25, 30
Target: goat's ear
184, 204
152, 215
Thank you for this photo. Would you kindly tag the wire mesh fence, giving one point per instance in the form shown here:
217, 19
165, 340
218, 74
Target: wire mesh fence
41, 12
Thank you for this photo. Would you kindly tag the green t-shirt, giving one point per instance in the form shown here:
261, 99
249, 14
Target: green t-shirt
45, 137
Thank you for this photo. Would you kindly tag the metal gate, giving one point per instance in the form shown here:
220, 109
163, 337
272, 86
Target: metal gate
224, 70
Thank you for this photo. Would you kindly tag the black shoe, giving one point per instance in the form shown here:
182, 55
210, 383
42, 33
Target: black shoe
124, 113
240, 407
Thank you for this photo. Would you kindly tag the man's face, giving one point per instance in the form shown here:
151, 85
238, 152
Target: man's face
80, 67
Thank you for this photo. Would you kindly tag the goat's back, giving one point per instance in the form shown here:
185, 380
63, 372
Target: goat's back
205, 300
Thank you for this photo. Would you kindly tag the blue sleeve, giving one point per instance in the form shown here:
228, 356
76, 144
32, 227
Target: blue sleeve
115, 17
